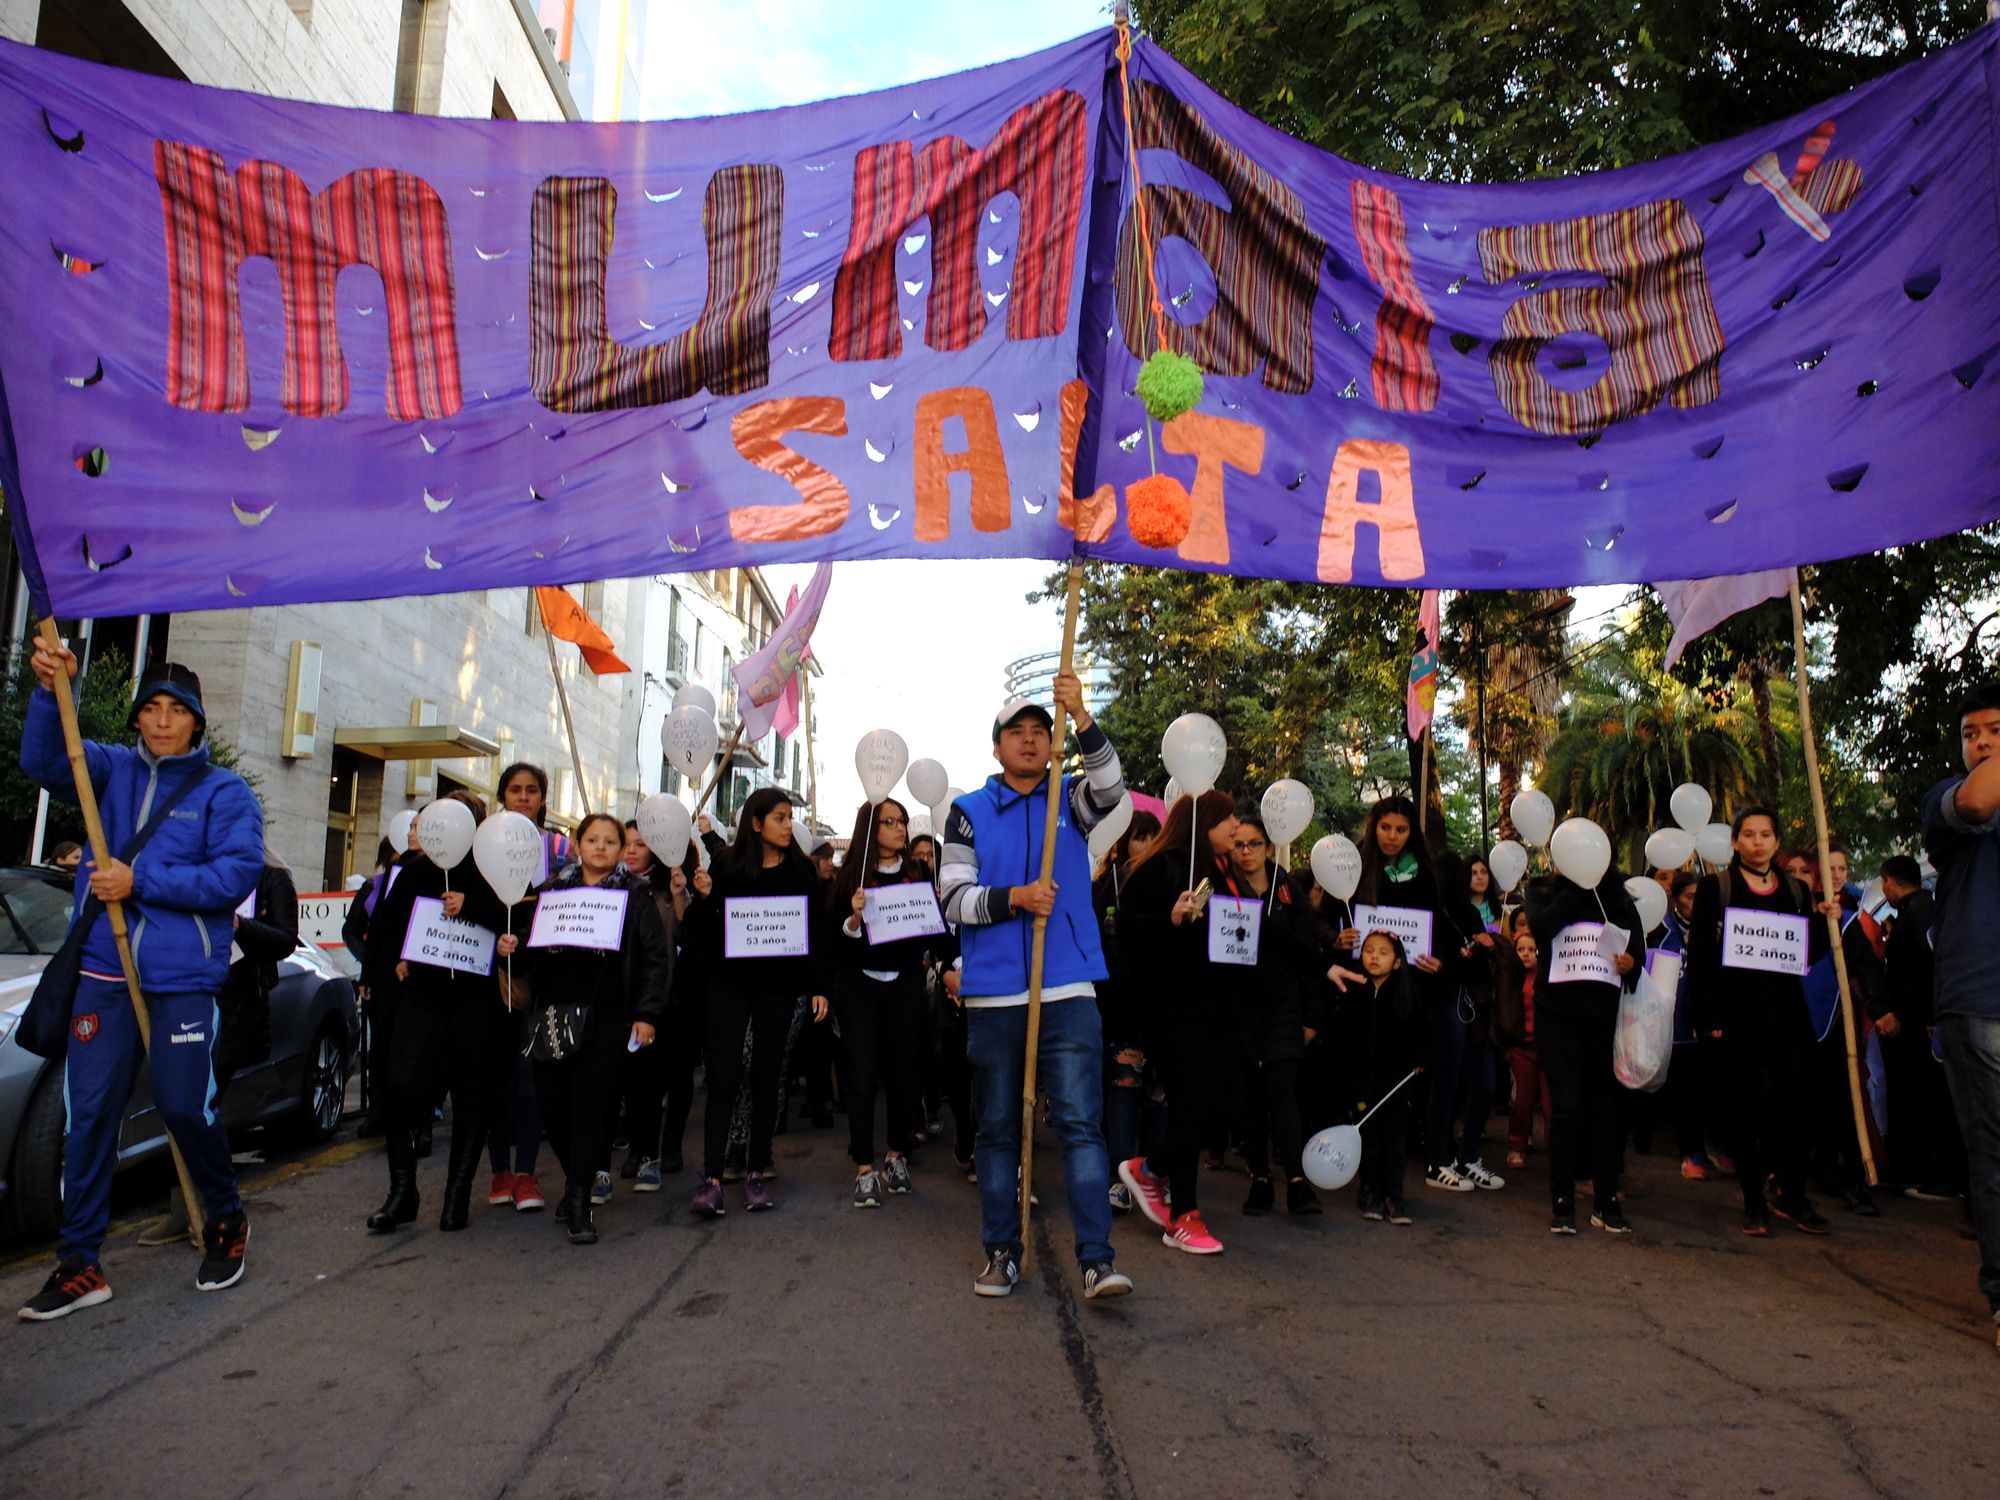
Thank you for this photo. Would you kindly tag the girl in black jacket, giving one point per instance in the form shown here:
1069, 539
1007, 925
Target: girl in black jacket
1120, 1006
1381, 1027
878, 996
754, 992
658, 1081
625, 992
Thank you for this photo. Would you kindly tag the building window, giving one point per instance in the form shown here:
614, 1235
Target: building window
502, 109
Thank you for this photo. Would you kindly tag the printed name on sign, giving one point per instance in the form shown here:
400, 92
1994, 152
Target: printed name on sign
764, 927
1774, 942
1235, 927
447, 942
579, 918
1584, 954
901, 911
1411, 927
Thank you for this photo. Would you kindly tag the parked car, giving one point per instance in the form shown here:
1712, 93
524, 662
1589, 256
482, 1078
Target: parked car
301, 1085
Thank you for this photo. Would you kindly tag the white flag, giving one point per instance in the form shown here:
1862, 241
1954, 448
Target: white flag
1698, 605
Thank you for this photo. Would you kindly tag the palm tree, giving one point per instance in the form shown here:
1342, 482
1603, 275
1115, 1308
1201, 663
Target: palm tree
1520, 637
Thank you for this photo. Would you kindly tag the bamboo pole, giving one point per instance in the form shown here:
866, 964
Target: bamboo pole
714, 781
1847, 1020
812, 766
100, 858
1039, 949
569, 725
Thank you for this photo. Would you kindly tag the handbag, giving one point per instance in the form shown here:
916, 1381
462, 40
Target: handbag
558, 1032
45, 1024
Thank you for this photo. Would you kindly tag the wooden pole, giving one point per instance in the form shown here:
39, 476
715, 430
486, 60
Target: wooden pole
735, 739
1424, 781
812, 766
1039, 948
1847, 1020
569, 726
100, 857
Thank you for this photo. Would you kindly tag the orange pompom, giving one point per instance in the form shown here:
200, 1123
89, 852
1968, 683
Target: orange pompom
1158, 511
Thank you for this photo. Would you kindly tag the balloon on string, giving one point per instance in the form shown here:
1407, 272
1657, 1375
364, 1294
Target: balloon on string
928, 781
689, 740
507, 848
1669, 848
399, 829
694, 695
1581, 851
1194, 748
1172, 794
666, 826
1508, 862
1690, 806
1651, 899
444, 830
1534, 816
1336, 865
1715, 844
806, 836
1110, 828
1287, 809
879, 760
1332, 1157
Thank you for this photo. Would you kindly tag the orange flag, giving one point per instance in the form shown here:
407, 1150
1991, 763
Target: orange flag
567, 620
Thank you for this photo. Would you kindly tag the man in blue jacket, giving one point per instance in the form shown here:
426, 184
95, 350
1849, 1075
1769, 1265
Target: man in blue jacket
990, 874
180, 894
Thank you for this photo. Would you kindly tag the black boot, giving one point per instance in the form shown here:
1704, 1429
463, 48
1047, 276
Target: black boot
423, 1147
400, 1207
467, 1144
576, 1216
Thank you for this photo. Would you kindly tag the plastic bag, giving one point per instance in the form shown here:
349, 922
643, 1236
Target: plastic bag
1644, 1042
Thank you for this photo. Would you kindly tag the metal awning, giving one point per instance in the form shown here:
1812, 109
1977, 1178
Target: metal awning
417, 742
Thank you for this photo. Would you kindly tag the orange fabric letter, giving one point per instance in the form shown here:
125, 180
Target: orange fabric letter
759, 435
981, 458
1092, 518
1218, 445
1401, 548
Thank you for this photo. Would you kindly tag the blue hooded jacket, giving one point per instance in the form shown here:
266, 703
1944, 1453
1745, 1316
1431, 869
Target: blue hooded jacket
1007, 833
191, 876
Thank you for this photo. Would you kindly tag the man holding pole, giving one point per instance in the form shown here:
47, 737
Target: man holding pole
188, 838
994, 891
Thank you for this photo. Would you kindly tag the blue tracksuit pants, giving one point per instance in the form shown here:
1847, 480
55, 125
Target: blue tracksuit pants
104, 1058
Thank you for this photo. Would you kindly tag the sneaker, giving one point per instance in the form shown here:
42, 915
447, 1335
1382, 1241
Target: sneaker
1104, 1280
1263, 1197
222, 1247
1300, 1198
756, 1197
1191, 1235
1149, 1194
1397, 1211
1757, 1223
527, 1193
1723, 1162
934, 1126
1475, 1173
1374, 1210
868, 1189
1805, 1218
71, 1285
1121, 1198
1516, 1160
1930, 1193
708, 1202
502, 1190
600, 1188
1611, 1219
1562, 1217
1694, 1168
896, 1174
647, 1179
997, 1280
1447, 1179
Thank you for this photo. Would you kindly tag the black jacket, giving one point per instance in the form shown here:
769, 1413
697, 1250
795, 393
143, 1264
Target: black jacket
1271, 1021
810, 975
1168, 964
1454, 924
622, 986
1732, 1000
851, 955
1911, 962
1567, 903
270, 934
1380, 1032
391, 924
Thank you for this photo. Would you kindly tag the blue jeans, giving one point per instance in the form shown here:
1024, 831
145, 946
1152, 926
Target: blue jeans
1972, 1063
1071, 1073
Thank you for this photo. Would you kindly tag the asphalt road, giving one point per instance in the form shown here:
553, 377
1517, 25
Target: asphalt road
821, 1351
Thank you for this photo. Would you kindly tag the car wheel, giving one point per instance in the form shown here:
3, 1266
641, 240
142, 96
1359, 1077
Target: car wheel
323, 1086
33, 1207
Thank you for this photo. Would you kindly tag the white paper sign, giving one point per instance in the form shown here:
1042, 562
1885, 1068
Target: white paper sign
1586, 952
580, 917
446, 942
905, 910
1766, 940
1411, 926
764, 927
1235, 927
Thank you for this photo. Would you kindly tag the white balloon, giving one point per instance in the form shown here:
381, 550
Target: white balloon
1194, 748
879, 759
1651, 899
666, 826
1332, 1157
1690, 806
507, 848
1669, 848
694, 695
688, 739
1172, 794
1336, 865
1534, 816
1107, 832
1509, 862
927, 780
1581, 851
399, 829
920, 827
807, 837
1715, 844
444, 829
941, 810
1287, 808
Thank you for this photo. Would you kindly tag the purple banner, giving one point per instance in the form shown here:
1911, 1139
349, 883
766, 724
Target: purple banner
263, 352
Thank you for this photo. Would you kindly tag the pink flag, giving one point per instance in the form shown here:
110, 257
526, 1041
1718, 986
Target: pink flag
763, 680
786, 717
1698, 605
1420, 700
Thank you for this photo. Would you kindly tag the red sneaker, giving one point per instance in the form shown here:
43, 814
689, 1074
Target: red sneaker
527, 1194
1191, 1235
1723, 1162
502, 1190
1694, 1169
1148, 1192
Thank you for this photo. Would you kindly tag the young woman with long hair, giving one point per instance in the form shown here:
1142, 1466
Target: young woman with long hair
516, 1138
1120, 1006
